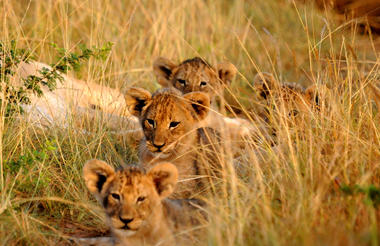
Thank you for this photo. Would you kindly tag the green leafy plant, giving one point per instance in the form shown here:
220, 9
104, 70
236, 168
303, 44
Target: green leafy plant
11, 57
32, 168
73, 60
371, 192
25, 161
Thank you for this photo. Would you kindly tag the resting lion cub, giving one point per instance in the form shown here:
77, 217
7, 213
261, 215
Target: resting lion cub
289, 98
135, 204
170, 121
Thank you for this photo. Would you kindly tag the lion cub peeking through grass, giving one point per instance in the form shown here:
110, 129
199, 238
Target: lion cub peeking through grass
283, 103
289, 98
136, 205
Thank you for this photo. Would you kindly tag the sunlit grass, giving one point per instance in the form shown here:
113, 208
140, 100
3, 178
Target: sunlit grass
290, 196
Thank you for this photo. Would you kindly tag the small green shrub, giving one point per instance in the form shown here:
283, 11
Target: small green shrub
11, 57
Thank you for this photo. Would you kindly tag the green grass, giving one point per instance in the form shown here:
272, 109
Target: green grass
300, 194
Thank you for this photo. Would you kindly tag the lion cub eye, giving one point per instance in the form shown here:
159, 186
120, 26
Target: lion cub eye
293, 113
182, 82
141, 199
151, 122
203, 83
116, 196
173, 124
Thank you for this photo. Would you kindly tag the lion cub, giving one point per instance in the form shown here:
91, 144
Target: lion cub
197, 75
135, 204
287, 99
283, 103
170, 122
194, 75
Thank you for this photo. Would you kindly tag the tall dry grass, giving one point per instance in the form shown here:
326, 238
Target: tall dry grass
299, 193
366, 12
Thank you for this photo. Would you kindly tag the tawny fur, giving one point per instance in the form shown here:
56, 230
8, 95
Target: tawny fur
288, 98
197, 75
170, 122
285, 102
135, 204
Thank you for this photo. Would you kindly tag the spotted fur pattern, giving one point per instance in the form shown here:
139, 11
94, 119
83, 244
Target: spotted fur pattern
196, 74
136, 206
170, 123
288, 98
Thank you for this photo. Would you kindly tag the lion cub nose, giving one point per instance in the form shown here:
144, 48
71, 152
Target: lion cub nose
158, 146
125, 221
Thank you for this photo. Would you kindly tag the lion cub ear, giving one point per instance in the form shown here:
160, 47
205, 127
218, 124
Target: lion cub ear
226, 72
136, 99
313, 95
163, 69
264, 82
96, 175
164, 176
200, 102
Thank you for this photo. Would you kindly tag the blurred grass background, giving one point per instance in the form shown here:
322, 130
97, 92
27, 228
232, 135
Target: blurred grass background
301, 195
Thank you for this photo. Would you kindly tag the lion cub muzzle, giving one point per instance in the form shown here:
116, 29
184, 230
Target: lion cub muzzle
126, 222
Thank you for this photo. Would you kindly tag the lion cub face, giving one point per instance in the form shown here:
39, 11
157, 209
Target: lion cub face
194, 75
130, 197
167, 117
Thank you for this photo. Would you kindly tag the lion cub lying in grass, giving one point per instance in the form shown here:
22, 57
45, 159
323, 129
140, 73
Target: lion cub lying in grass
136, 206
281, 104
289, 98
170, 122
